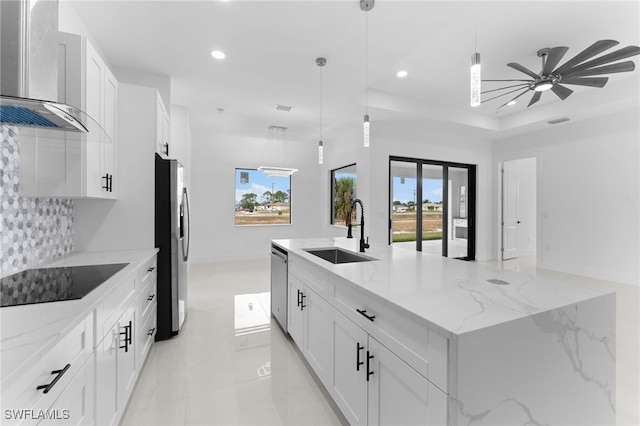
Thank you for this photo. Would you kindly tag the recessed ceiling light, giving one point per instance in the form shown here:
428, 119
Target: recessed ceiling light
401, 74
218, 54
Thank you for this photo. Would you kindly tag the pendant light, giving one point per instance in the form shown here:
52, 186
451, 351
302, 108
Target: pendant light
321, 62
276, 153
366, 5
475, 71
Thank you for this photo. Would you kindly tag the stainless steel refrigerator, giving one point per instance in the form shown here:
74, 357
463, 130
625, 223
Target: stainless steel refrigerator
172, 238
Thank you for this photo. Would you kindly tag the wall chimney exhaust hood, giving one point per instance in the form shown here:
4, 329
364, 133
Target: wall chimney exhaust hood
29, 70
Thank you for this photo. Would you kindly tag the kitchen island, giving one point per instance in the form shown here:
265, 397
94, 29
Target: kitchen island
415, 338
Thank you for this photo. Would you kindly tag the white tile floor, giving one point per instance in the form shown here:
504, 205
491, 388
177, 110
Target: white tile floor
232, 365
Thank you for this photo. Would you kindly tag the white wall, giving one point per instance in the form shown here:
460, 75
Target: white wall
424, 144
588, 195
214, 160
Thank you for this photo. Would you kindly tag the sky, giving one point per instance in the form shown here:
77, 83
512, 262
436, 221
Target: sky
259, 183
404, 192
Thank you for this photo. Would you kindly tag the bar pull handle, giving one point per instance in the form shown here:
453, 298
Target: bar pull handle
150, 298
299, 302
108, 182
364, 314
59, 374
151, 331
127, 336
302, 297
151, 269
358, 362
369, 358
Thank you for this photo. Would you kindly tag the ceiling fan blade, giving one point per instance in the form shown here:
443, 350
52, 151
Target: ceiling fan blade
561, 91
520, 68
607, 69
553, 58
519, 86
535, 98
625, 52
503, 94
529, 81
591, 51
592, 81
504, 104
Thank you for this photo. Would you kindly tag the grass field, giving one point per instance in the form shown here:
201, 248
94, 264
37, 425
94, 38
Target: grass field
404, 226
263, 217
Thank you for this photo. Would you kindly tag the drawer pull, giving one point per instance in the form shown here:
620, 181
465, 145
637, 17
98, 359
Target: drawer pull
59, 373
127, 336
151, 269
364, 314
369, 358
358, 362
150, 298
151, 331
302, 297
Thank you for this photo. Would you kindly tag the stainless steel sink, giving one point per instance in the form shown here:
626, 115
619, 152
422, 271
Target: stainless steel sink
338, 255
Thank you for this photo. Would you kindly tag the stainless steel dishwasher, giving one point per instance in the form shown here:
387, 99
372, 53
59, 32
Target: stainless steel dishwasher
279, 287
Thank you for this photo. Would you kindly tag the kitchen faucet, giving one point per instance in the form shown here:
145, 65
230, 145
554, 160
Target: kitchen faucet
363, 244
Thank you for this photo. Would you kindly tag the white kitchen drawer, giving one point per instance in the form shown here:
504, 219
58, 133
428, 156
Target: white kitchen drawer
109, 311
148, 298
313, 276
147, 271
71, 350
404, 336
146, 336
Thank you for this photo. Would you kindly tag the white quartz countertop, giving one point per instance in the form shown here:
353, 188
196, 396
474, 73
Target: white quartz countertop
27, 332
452, 295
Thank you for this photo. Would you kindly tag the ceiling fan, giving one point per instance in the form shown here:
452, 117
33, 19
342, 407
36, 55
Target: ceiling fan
579, 70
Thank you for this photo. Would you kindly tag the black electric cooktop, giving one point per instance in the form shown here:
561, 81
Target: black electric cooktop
54, 284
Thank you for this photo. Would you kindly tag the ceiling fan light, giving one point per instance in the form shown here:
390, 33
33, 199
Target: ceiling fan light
475, 74
542, 86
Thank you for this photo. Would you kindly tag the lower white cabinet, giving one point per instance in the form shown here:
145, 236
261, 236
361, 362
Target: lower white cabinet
370, 383
309, 325
116, 370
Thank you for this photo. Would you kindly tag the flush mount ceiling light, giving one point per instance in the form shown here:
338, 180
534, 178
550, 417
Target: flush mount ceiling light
218, 54
366, 6
275, 152
580, 70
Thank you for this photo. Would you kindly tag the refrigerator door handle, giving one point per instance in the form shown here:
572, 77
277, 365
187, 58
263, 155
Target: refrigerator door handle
185, 245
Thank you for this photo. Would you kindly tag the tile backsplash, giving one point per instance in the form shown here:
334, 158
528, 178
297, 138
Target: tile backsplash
33, 229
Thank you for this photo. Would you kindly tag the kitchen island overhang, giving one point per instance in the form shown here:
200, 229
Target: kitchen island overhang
520, 349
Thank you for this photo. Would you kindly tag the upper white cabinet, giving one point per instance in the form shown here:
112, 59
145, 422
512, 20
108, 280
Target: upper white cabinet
163, 128
68, 164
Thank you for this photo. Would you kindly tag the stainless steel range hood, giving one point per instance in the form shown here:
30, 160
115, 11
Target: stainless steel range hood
29, 73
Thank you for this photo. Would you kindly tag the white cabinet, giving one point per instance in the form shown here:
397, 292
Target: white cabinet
308, 324
69, 164
163, 128
146, 312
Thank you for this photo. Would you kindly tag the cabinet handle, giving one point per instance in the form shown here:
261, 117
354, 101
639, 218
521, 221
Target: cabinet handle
150, 298
302, 305
299, 302
151, 331
358, 362
369, 358
166, 148
108, 182
151, 269
127, 336
364, 314
59, 374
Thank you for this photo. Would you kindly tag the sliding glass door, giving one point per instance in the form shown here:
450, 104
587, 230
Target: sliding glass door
432, 206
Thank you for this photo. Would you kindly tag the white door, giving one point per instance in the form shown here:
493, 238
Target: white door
348, 382
316, 332
398, 394
510, 212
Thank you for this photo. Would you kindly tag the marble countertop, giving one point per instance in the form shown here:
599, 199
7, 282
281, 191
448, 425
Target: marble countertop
27, 332
452, 295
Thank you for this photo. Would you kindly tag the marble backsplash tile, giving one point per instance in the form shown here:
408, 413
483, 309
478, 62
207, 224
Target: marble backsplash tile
33, 229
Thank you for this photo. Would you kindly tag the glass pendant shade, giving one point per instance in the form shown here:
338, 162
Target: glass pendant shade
475, 80
366, 130
320, 153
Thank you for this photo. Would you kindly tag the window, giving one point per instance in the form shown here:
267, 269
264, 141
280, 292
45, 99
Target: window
262, 200
343, 191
